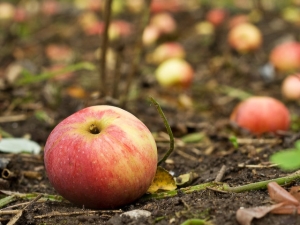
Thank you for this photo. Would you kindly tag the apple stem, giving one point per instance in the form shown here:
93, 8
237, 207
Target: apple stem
169, 130
94, 129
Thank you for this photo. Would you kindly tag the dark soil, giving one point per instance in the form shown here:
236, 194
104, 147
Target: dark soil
215, 65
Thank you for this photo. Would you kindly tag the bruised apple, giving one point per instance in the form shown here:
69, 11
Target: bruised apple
101, 157
261, 114
175, 72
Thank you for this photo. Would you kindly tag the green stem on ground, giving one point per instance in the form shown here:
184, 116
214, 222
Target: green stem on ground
169, 130
14, 196
222, 187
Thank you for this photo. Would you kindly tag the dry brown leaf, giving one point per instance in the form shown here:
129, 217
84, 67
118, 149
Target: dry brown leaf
186, 179
163, 180
279, 194
295, 191
245, 216
287, 210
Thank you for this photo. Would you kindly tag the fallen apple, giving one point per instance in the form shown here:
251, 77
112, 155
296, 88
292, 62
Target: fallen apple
164, 22
286, 56
150, 35
166, 51
290, 87
245, 37
216, 16
101, 157
260, 114
174, 72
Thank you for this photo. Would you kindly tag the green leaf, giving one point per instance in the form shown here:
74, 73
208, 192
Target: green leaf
193, 138
234, 142
288, 159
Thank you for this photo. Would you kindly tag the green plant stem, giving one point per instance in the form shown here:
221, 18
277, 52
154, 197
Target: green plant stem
169, 130
225, 187
29, 78
104, 44
195, 222
13, 196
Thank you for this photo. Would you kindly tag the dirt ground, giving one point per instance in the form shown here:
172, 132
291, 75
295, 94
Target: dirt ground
216, 66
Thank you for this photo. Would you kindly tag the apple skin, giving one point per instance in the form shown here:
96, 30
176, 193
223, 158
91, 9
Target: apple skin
175, 72
260, 114
164, 22
245, 37
290, 87
286, 56
103, 170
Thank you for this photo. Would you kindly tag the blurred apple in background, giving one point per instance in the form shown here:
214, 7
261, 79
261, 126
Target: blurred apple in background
20, 15
290, 87
150, 35
165, 5
216, 16
237, 20
7, 11
59, 53
119, 29
166, 51
164, 22
286, 56
245, 37
260, 114
50, 7
175, 73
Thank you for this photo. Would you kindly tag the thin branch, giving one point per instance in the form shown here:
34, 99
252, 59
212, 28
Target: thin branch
104, 44
137, 49
169, 130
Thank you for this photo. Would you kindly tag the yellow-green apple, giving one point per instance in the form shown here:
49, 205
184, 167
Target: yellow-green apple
166, 51
101, 157
290, 87
285, 57
245, 37
260, 114
7, 11
174, 72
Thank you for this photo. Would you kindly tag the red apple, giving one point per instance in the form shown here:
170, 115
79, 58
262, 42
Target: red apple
20, 15
290, 87
166, 51
261, 114
286, 56
50, 7
101, 157
165, 5
59, 53
175, 73
119, 29
245, 37
216, 16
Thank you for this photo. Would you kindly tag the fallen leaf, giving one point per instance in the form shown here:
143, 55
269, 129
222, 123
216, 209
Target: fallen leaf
295, 191
163, 180
245, 215
287, 210
279, 194
185, 179
19, 145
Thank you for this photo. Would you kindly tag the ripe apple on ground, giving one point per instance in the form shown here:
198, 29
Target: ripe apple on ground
216, 16
260, 114
164, 22
286, 56
101, 157
290, 87
245, 37
150, 35
175, 72
166, 51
